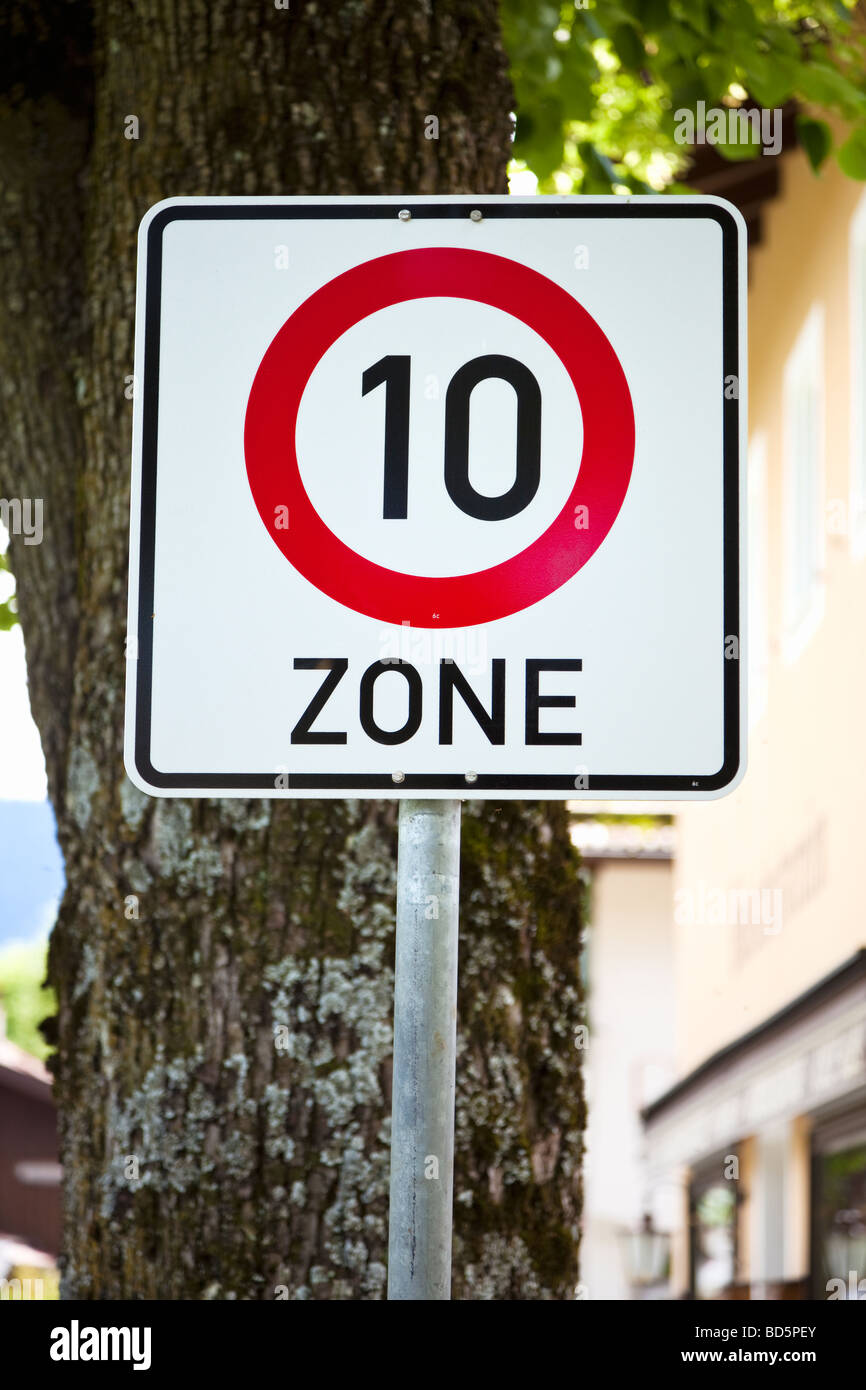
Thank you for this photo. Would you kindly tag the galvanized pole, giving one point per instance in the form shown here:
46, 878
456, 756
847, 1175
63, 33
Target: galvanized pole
425, 1044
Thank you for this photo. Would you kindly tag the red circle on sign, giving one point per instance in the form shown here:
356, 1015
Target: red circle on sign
426, 600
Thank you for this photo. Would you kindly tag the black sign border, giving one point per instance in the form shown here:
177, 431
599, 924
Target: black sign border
558, 786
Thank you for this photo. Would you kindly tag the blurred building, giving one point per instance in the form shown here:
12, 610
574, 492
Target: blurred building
29, 1169
751, 1179
630, 1058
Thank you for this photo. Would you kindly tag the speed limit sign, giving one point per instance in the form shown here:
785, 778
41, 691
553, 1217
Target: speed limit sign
438, 497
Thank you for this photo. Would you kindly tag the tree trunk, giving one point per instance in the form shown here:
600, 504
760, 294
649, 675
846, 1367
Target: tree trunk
224, 968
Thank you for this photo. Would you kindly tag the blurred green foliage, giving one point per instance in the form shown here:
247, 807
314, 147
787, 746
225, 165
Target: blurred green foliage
8, 606
23, 995
597, 87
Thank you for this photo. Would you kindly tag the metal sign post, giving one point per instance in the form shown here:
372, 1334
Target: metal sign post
425, 1045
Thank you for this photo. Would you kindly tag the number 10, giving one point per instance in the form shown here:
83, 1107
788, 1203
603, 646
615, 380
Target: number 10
394, 371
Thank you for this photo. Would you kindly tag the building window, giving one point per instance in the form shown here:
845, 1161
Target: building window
713, 1208
804, 485
758, 649
857, 301
839, 1210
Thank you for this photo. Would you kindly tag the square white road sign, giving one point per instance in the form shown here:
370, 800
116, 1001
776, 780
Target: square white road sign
438, 497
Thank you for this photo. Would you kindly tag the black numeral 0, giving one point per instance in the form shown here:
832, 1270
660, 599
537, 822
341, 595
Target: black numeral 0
395, 373
528, 466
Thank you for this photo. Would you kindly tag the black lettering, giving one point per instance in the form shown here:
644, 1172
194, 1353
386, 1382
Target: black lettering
413, 717
451, 678
337, 667
535, 702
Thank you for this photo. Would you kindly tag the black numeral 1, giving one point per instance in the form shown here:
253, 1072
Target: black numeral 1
394, 371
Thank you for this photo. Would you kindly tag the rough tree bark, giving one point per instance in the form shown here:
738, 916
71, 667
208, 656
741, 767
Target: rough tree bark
223, 969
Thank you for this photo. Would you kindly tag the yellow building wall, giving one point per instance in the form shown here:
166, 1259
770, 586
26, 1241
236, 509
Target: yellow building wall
797, 821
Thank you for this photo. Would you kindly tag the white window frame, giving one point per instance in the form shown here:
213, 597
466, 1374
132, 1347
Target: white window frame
857, 386
804, 370
757, 570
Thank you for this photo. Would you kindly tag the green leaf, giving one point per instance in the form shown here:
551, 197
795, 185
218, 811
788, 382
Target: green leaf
628, 45
686, 96
656, 14
852, 155
740, 150
767, 81
821, 83
538, 137
686, 43
782, 42
816, 139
